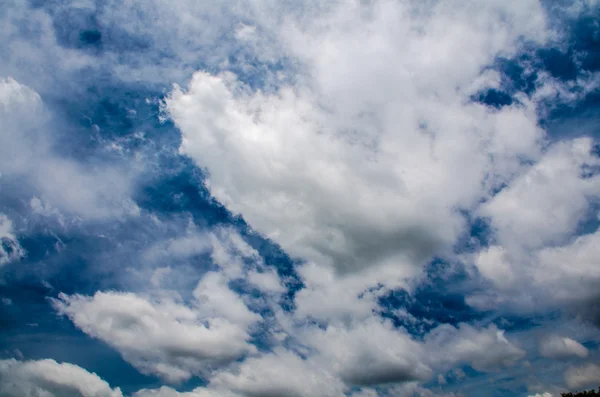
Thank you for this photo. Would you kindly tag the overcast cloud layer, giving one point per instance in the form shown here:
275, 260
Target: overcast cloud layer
299, 198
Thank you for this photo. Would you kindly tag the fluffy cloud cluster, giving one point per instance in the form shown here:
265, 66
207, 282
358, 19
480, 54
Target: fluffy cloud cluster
554, 346
534, 220
48, 378
162, 334
167, 338
171, 340
359, 163
361, 158
365, 163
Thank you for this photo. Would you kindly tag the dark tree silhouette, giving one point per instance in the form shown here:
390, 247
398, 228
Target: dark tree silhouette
587, 393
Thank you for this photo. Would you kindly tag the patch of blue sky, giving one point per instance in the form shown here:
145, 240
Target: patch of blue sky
437, 300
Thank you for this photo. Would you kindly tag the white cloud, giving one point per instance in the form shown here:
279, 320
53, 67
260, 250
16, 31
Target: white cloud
360, 163
413, 389
10, 249
369, 353
214, 299
229, 251
544, 205
554, 276
27, 155
365, 161
362, 160
281, 373
365, 393
485, 349
493, 264
182, 247
329, 298
31, 50
266, 281
169, 392
587, 375
535, 260
47, 378
166, 337
179, 35
570, 272
557, 347
236, 259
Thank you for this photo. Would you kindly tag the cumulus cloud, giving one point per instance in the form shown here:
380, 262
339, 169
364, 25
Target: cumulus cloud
544, 205
557, 347
165, 337
51, 379
198, 392
10, 249
536, 258
563, 275
357, 164
485, 349
370, 353
361, 158
329, 298
281, 373
583, 376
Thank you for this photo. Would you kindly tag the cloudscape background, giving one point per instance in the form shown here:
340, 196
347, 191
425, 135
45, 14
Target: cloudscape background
299, 198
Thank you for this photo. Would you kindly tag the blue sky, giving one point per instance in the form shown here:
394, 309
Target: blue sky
296, 198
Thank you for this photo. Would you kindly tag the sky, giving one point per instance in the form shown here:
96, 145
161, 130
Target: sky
299, 198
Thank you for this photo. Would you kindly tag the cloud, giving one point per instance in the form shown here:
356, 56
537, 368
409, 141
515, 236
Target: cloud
281, 373
327, 297
31, 166
556, 276
10, 249
536, 258
485, 349
584, 376
165, 337
369, 353
214, 299
32, 52
180, 247
51, 379
357, 164
347, 134
234, 258
553, 346
169, 392
544, 205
